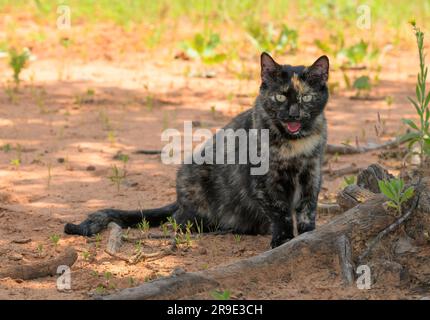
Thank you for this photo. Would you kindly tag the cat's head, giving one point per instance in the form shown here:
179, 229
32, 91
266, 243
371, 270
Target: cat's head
294, 96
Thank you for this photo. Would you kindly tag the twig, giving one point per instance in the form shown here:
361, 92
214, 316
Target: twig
144, 151
152, 256
351, 169
141, 256
344, 149
389, 229
118, 256
146, 237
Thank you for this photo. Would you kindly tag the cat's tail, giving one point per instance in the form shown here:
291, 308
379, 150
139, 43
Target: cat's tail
99, 220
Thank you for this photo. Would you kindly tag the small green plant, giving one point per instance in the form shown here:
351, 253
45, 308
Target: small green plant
85, 98
39, 96
187, 235
124, 158
143, 226
100, 289
420, 132
333, 45
389, 100
55, 238
111, 137
204, 47
98, 240
18, 61
6, 148
117, 176
165, 229
15, 162
265, 38
357, 54
39, 249
199, 226
221, 295
173, 223
362, 85
138, 246
213, 112
86, 255
394, 189
149, 102
349, 180
237, 238
108, 278
104, 118
48, 184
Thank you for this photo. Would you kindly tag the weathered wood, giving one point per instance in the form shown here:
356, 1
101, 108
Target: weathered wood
40, 269
390, 228
352, 195
328, 208
345, 260
369, 177
314, 248
115, 238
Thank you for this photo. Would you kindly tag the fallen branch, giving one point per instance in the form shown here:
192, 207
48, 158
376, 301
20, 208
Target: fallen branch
351, 169
141, 256
144, 151
345, 149
317, 248
41, 269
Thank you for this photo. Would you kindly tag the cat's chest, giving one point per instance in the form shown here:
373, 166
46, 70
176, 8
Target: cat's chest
298, 149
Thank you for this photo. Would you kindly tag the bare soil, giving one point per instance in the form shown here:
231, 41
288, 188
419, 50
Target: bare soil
66, 140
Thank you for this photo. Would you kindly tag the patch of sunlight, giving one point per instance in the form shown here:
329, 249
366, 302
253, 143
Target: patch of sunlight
50, 205
5, 122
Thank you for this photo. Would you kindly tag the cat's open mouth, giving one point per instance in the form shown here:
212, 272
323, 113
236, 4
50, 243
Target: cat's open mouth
293, 127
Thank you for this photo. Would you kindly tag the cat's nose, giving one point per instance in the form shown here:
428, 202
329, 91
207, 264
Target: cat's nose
294, 112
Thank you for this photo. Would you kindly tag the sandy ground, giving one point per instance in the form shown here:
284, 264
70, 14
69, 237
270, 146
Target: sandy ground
66, 140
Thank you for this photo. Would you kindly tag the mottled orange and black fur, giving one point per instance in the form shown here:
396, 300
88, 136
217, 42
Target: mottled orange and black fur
226, 196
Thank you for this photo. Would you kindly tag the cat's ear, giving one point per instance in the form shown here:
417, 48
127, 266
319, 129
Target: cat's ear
318, 72
269, 67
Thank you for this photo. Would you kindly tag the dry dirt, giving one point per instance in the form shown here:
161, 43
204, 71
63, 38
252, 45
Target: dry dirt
66, 140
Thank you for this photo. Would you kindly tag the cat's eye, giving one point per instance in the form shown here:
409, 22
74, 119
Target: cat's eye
307, 98
280, 98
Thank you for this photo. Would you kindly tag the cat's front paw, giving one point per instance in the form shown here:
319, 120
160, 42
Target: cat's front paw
277, 241
305, 227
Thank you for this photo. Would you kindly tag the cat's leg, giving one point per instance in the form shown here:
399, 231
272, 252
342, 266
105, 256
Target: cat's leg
282, 230
279, 215
281, 223
310, 183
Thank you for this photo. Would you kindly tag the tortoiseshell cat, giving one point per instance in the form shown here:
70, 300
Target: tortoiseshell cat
226, 196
